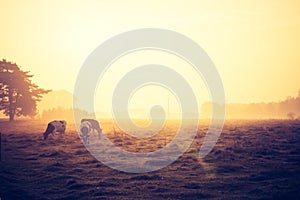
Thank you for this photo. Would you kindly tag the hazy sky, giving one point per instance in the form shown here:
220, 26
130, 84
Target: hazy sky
254, 44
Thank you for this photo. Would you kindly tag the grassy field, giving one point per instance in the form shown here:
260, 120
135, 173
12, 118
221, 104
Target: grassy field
252, 160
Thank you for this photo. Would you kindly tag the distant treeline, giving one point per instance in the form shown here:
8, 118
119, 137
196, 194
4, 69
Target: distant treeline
62, 113
288, 108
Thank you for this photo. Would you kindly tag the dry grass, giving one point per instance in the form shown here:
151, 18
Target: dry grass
252, 160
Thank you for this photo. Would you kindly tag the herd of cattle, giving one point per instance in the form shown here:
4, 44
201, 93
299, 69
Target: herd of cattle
87, 126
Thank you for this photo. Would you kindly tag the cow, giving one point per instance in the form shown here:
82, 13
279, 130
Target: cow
85, 130
55, 126
95, 126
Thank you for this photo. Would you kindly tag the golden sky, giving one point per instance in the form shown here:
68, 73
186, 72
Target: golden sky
255, 45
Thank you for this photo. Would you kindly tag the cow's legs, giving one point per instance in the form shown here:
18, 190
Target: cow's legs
61, 135
50, 129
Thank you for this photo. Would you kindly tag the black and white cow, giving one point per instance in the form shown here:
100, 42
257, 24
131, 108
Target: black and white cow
55, 126
85, 130
95, 126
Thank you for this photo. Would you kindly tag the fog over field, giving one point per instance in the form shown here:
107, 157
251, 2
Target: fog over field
149, 99
59, 103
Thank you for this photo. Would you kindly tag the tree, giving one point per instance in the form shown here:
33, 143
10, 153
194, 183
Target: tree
18, 95
291, 115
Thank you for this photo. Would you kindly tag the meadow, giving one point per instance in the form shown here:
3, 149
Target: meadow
253, 159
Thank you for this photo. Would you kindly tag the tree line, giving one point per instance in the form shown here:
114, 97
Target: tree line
288, 109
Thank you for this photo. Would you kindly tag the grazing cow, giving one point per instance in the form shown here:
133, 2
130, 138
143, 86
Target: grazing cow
55, 126
95, 126
85, 130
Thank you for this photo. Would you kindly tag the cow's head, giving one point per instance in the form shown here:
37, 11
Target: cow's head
46, 135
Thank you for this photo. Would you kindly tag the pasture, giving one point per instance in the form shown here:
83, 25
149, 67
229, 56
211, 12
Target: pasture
252, 160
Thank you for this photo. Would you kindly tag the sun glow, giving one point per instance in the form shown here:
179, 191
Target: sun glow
253, 44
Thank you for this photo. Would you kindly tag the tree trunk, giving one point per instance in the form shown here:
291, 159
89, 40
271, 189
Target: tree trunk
11, 106
11, 116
